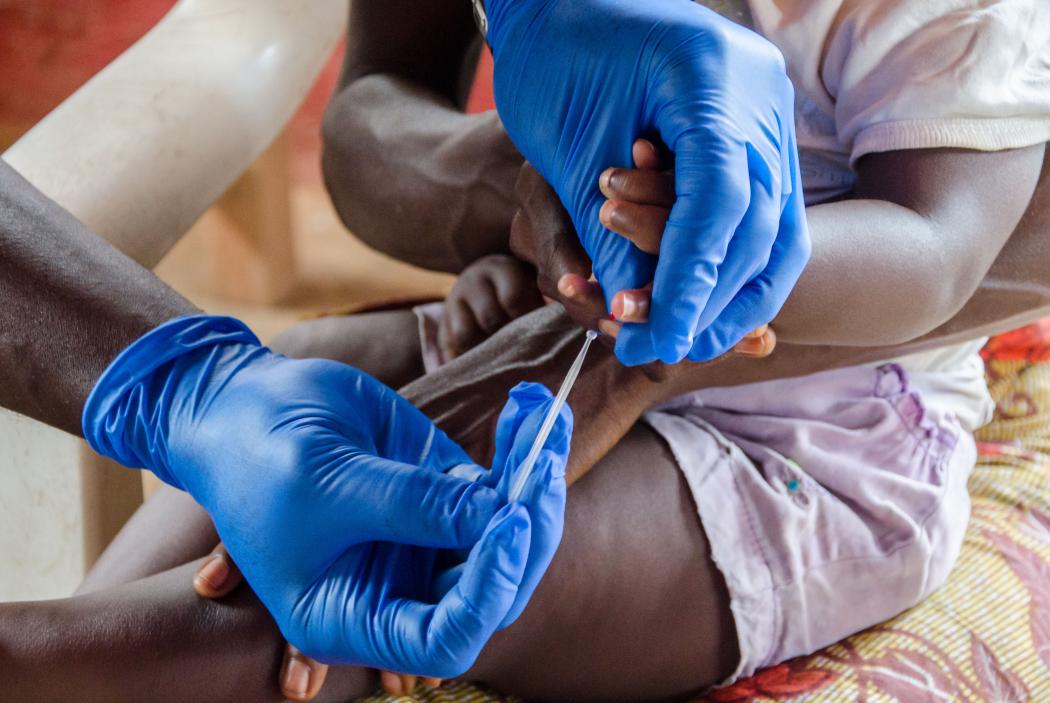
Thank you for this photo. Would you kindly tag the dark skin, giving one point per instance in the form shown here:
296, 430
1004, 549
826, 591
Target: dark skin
56, 275
397, 69
448, 176
601, 562
202, 633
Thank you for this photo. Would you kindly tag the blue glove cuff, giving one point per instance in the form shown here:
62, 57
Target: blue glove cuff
109, 422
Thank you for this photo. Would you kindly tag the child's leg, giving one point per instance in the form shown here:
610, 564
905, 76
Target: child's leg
149, 640
632, 607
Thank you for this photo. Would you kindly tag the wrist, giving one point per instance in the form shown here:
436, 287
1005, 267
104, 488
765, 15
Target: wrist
125, 415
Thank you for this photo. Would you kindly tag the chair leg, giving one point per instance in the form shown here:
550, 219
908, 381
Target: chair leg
252, 251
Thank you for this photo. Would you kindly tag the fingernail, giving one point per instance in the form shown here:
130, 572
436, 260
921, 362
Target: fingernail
605, 180
757, 332
752, 347
214, 572
630, 308
565, 286
295, 679
609, 328
606, 213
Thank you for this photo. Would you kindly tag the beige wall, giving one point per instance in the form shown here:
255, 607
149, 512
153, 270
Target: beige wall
41, 526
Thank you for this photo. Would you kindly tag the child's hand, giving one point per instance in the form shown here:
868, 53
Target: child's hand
638, 204
489, 293
543, 235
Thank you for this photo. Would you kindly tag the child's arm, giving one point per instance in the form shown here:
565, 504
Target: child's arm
888, 266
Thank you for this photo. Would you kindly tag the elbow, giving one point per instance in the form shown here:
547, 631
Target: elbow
338, 159
935, 302
344, 163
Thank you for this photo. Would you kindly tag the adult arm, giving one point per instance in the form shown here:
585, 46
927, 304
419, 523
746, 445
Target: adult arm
71, 303
408, 172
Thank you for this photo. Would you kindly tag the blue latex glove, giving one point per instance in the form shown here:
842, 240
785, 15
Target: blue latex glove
544, 492
577, 81
329, 491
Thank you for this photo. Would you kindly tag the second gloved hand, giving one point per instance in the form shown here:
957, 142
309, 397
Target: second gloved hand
577, 81
328, 489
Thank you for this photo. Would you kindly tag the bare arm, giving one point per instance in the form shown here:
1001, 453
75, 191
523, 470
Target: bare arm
154, 639
910, 249
61, 322
1015, 290
408, 172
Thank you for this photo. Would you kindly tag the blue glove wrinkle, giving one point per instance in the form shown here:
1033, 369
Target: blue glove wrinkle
122, 397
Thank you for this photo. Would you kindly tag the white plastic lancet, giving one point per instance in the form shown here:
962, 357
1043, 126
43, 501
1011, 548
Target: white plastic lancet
548, 422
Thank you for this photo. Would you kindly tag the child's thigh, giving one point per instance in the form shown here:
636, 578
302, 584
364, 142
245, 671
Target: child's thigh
384, 344
632, 606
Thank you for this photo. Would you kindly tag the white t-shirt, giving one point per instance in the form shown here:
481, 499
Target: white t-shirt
887, 75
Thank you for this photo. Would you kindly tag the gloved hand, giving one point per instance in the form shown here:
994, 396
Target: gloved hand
544, 492
328, 490
577, 81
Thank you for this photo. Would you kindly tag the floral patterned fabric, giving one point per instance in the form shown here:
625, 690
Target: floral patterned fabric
985, 636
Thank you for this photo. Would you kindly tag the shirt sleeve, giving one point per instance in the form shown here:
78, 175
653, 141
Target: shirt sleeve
920, 74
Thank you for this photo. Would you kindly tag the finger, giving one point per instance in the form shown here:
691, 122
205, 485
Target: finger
217, 575
516, 290
439, 510
518, 424
455, 630
763, 297
757, 347
582, 299
522, 240
431, 682
544, 498
713, 193
610, 328
488, 314
301, 677
392, 683
632, 305
751, 246
637, 186
458, 330
643, 225
646, 156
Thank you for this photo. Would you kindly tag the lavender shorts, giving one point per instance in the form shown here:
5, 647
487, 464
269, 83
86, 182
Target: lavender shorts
831, 502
